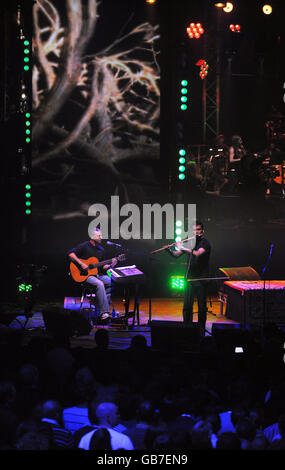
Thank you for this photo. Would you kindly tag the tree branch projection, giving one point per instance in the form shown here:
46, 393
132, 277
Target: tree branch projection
116, 90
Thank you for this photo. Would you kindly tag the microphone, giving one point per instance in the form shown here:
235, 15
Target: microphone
114, 244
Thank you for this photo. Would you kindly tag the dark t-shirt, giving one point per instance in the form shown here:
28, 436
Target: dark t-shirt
198, 266
87, 250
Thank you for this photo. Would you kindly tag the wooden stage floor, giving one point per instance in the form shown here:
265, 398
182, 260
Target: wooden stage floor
170, 309
167, 309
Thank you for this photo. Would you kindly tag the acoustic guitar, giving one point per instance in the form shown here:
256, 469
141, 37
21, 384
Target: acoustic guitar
80, 275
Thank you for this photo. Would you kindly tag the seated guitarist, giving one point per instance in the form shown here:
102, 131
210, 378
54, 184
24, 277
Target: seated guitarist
101, 282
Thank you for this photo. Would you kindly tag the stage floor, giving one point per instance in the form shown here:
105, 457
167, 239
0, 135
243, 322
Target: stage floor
168, 309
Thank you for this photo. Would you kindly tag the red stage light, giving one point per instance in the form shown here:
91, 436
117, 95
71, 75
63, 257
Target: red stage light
203, 68
195, 30
235, 28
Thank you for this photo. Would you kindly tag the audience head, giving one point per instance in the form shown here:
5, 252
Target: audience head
246, 429
7, 393
259, 443
84, 384
146, 412
105, 414
101, 338
215, 422
29, 375
156, 438
228, 441
162, 442
256, 416
201, 435
32, 441
237, 414
51, 409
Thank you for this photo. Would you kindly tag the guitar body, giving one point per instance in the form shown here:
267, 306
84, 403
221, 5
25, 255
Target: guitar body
78, 274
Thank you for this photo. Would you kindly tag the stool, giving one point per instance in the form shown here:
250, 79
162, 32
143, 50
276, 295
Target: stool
88, 292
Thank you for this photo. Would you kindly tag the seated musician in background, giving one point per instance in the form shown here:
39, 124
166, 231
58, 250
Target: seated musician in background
213, 180
222, 155
101, 282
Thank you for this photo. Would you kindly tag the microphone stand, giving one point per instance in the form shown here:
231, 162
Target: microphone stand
263, 277
149, 281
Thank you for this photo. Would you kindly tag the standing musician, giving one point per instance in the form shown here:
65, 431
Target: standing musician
197, 267
237, 152
101, 282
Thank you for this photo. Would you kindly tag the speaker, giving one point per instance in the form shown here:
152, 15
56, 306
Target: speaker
175, 336
7, 318
11, 336
229, 336
65, 322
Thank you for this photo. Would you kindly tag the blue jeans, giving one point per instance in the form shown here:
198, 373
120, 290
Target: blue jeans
102, 285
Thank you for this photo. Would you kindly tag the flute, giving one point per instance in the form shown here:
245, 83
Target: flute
168, 246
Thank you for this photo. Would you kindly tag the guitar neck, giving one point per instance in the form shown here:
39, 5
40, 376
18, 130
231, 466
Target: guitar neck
101, 263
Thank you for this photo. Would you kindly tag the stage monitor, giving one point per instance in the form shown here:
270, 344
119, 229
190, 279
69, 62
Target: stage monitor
64, 322
174, 336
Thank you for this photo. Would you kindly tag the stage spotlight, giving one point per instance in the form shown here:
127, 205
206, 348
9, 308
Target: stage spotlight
195, 30
178, 229
220, 4
235, 28
183, 95
267, 9
202, 63
28, 195
181, 171
228, 8
150, 1
177, 282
